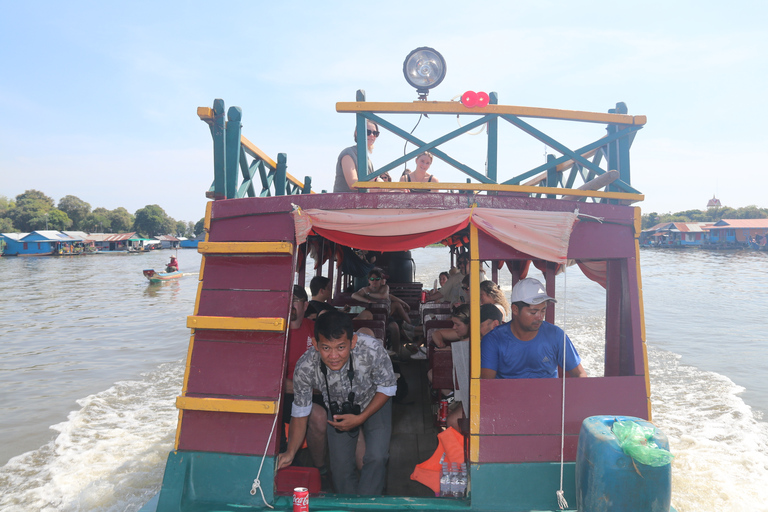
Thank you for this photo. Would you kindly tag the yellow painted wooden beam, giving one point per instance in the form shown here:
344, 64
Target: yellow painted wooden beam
245, 247
455, 107
493, 187
226, 405
231, 323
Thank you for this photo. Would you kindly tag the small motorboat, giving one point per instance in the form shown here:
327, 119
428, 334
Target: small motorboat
156, 277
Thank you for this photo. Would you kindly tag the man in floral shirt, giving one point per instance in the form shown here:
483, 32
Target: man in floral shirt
355, 376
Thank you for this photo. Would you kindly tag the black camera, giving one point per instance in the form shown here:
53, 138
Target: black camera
348, 407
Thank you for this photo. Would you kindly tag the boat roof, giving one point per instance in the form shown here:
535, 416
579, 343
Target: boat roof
740, 223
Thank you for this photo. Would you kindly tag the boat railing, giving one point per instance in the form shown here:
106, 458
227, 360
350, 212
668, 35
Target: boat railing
230, 155
603, 163
578, 174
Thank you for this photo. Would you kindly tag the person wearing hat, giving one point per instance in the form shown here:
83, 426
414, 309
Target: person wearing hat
528, 347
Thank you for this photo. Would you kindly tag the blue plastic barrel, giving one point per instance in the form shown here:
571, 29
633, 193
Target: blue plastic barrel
608, 480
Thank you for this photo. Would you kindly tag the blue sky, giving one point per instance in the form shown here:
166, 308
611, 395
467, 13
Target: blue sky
100, 98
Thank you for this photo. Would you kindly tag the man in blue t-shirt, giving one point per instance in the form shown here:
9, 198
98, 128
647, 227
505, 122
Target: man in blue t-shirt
528, 347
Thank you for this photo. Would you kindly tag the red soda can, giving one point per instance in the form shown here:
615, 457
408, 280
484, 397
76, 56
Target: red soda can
423, 296
301, 499
442, 413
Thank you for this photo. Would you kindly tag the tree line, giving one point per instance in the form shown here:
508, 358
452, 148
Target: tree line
708, 215
34, 211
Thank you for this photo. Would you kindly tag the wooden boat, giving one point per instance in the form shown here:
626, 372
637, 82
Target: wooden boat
157, 277
522, 436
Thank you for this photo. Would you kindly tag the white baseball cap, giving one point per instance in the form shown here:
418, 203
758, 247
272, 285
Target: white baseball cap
530, 291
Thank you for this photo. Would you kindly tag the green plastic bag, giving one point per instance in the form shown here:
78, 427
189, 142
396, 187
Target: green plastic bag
637, 442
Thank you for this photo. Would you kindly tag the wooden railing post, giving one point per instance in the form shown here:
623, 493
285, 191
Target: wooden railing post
280, 171
232, 154
493, 142
362, 141
219, 151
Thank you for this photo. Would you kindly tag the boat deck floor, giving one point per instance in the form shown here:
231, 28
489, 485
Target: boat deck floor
414, 434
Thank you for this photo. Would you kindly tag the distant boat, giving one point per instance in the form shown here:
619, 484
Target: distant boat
157, 277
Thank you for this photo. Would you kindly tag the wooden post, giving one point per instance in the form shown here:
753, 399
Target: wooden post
232, 152
493, 142
280, 178
219, 151
362, 142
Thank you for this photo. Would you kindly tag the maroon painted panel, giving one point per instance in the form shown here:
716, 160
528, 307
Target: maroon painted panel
527, 448
588, 241
492, 249
262, 272
257, 337
593, 240
227, 432
239, 369
533, 406
244, 304
267, 227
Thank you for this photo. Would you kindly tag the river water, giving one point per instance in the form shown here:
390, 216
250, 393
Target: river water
92, 358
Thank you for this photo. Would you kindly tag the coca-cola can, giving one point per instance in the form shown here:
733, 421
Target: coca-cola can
301, 499
442, 413
423, 296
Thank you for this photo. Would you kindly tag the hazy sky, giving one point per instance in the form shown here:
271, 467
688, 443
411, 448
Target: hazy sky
100, 98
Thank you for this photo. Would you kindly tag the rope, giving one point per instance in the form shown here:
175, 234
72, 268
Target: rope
256, 482
560, 494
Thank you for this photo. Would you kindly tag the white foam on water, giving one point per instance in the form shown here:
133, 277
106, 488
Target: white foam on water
720, 444
108, 456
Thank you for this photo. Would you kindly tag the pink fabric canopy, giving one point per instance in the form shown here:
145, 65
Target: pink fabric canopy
543, 235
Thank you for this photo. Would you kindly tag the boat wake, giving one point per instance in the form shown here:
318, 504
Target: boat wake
108, 456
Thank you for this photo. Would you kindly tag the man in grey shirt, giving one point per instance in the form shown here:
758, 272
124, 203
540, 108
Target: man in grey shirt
355, 376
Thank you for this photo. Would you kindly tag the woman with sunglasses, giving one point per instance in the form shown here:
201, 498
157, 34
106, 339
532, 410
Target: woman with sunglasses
346, 165
420, 175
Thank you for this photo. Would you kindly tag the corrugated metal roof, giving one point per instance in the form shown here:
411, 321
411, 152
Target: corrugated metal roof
119, 237
167, 238
14, 236
741, 223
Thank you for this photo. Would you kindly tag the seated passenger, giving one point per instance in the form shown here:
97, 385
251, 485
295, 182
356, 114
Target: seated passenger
356, 378
299, 341
377, 291
173, 265
452, 291
320, 288
490, 293
528, 347
490, 318
420, 175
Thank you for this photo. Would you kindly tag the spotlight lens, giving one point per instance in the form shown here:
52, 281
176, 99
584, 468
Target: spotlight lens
424, 68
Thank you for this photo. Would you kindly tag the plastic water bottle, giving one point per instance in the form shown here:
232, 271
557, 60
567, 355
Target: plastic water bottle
461, 482
445, 481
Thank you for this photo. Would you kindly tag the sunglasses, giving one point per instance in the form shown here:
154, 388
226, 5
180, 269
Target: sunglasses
374, 279
372, 132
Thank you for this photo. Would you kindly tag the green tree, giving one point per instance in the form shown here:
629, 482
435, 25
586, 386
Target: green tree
750, 212
120, 220
98, 221
200, 226
31, 205
153, 221
181, 228
649, 220
76, 209
6, 226
54, 219
190, 233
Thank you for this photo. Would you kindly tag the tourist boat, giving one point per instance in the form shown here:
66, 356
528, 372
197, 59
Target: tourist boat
522, 438
159, 277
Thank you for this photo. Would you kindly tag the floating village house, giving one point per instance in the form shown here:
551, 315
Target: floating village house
737, 231
168, 242
40, 243
676, 234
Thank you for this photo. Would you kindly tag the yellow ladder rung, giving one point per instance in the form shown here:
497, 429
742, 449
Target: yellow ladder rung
245, 247
231, 323
226, 405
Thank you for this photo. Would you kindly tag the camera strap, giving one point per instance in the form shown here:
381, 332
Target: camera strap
350, 375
